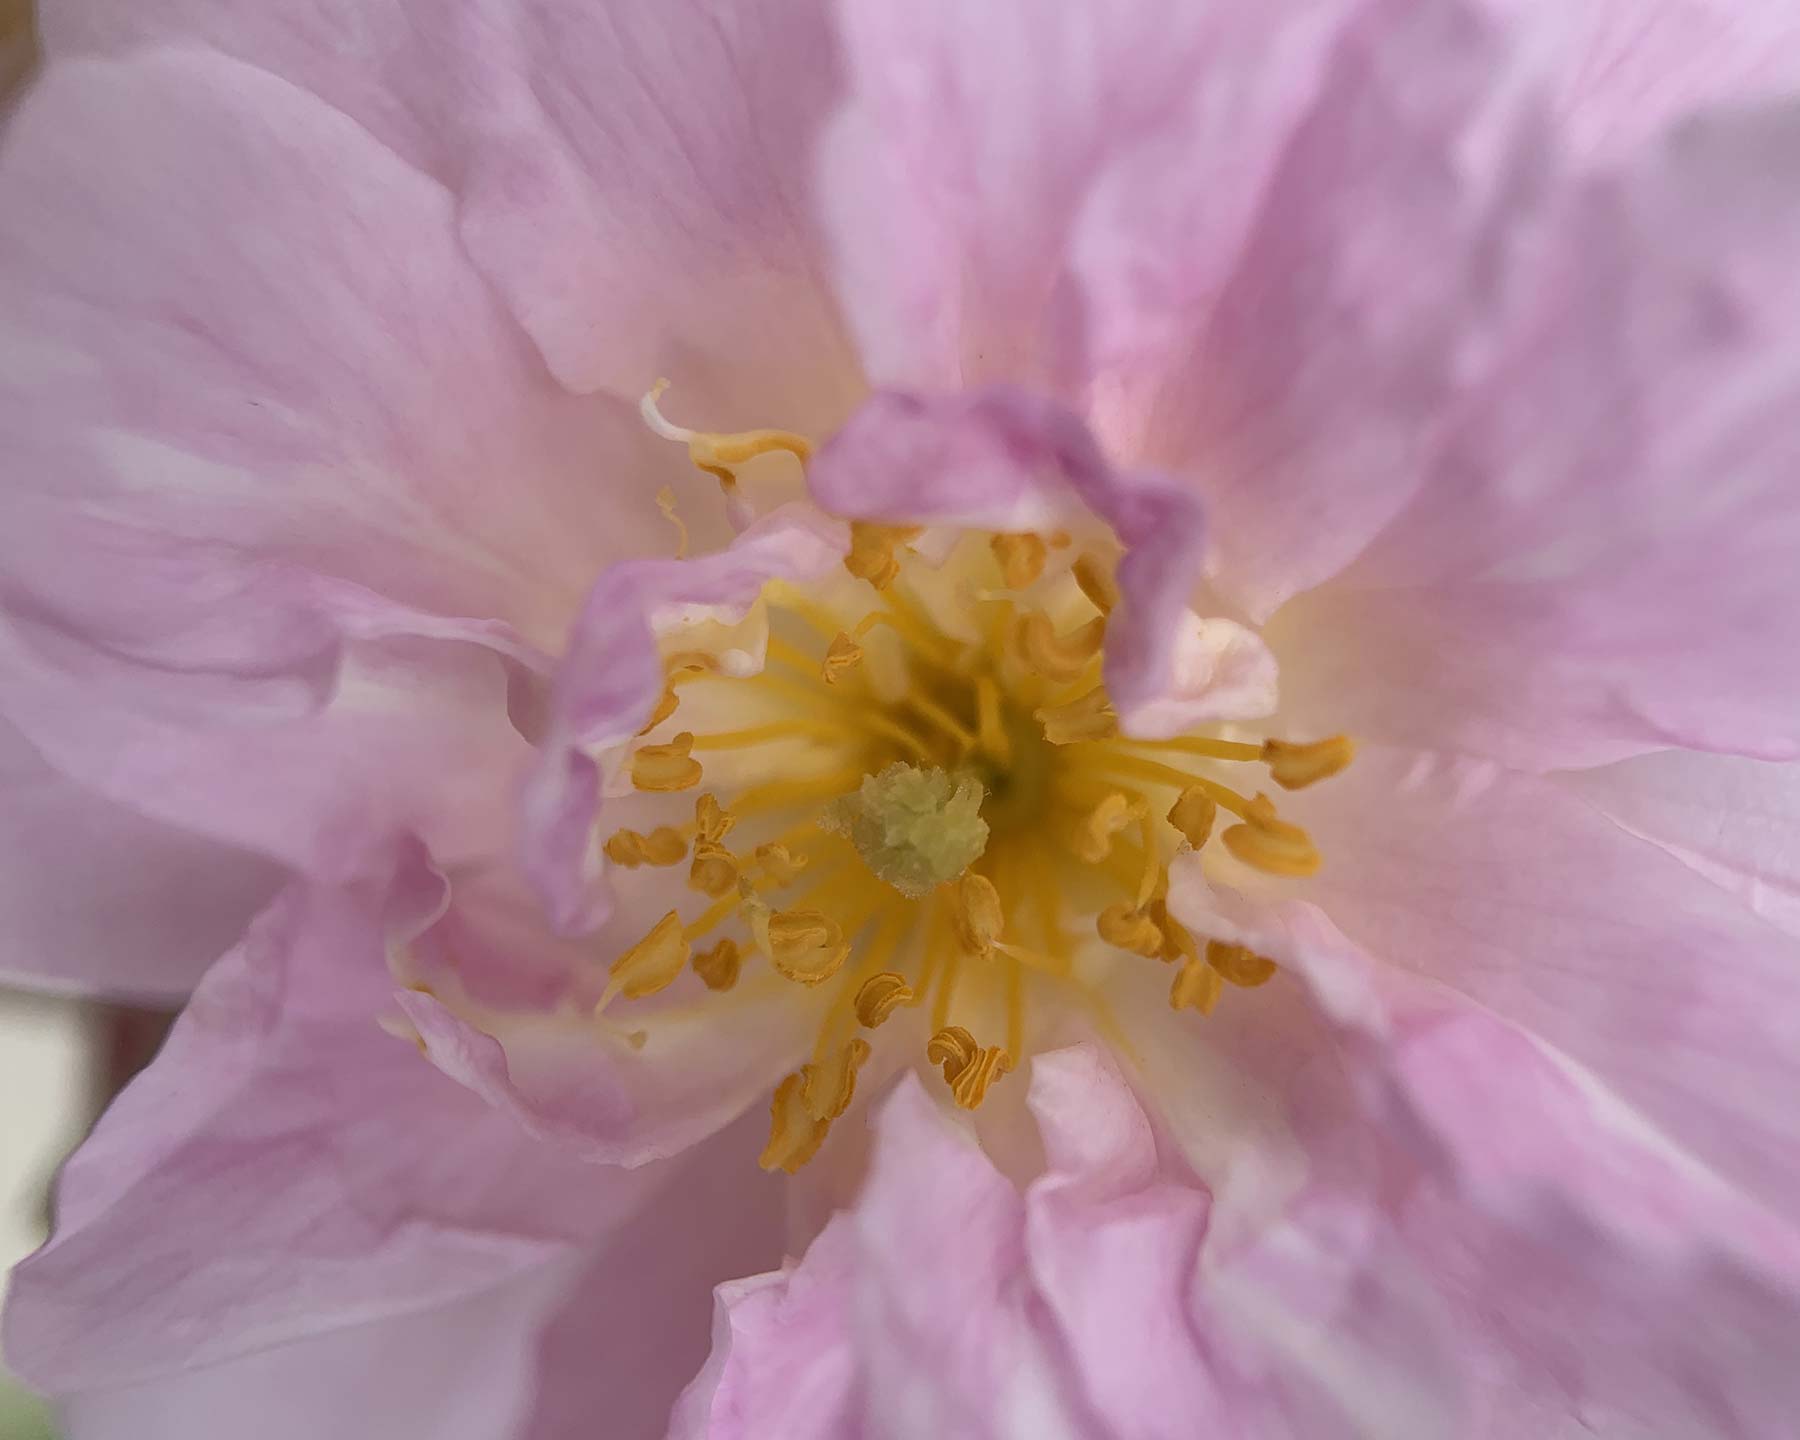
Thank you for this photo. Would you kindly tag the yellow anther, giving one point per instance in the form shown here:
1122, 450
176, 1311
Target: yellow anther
714, 870
1021, 558
719, 966
1086, 717
1197, 987
806, 946
828, 1086
662, 846
1130, 928
1057, 657
976, 913
665, 502
1193, 814
1178, 941
794, 1136
711, 820
653, 962
1094, 836
666, 767
665, 707
1239, 965
842, 654
780, 866
1270, 844
879, 996
1294, 767
968, 1068
1095, 578
872, 549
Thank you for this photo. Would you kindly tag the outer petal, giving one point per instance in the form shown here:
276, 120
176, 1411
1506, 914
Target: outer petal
245, 1192
612, 676
1007, 459
1736, 821
1605, 947
99, 899
663, 230
1600, 564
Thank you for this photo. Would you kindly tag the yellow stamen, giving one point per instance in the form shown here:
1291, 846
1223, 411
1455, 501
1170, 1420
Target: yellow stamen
827, 1087
779, 865
717, 453
665, 707
1094, 837
1130, 928
753, 735
872, 549
1193, 814
976, 913
1197, 987
1061, 658
1294, 767
968, 1068
1021, 558
714, 871
879, 996
1095, 578
842, 654
652, 963
1178, 941
990, 729
1087, 717
662, 846
712, 820
794, 1135
719, 967
668, 767
1239, 965
806, 946
1270, 844
665, 502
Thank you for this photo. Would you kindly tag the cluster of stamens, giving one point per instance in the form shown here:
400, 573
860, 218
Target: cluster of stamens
947, 825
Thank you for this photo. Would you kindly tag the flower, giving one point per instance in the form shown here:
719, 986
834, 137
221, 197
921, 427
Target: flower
1373, 398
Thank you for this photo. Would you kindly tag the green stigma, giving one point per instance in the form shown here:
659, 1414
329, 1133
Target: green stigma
914, 828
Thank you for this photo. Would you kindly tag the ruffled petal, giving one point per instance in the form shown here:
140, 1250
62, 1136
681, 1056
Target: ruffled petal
100, 900
1599, 563
244, 1192
1006, 459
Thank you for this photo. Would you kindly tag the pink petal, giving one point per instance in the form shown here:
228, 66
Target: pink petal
663, 231
612, 676
244, 1191
1007, 459
1600, 563
99, 899
1604, 947
1736, 821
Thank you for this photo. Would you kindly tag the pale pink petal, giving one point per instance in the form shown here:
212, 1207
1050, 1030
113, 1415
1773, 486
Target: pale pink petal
99, 899
464, 1370
665, 231
1601, 562
286, 1167
1605, 947
1006, 459
612, 676
1734, 820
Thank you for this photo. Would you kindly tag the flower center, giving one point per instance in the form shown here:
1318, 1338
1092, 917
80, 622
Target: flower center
922, 805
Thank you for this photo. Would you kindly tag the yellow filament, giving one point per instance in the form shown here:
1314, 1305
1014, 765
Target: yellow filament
665, 502
942, 718
1021, 558
1293, 767
719, 967
1240, 965
717, 453
1118, 762
662, 768
1212, 749
990, 729
752, 735
1267, 843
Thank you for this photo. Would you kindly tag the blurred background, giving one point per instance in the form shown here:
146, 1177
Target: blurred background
50, 1050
